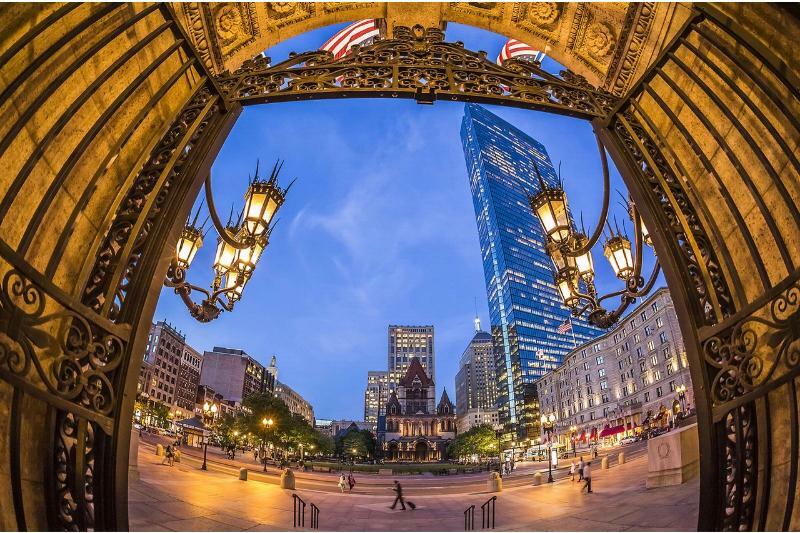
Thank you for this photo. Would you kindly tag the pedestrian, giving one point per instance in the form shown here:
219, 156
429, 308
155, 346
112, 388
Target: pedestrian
398, 489
351, 481
572, 470
255, 454
169, 456
587, 476
342, 482
581, 465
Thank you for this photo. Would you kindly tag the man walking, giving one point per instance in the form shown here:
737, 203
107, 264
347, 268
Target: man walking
398, 489
587, 476
581, 465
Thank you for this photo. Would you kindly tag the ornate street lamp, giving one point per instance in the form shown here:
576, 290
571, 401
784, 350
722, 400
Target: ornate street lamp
266, 423
239, 247
570, 251
548, 424
210, 412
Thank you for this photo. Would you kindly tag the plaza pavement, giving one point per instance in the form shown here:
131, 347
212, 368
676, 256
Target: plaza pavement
185, 498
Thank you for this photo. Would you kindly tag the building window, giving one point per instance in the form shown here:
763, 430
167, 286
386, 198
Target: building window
642, 366
599, 359
657, 375
659, 322
588, 378
603, 385
659, 392
663, 337
601, 372
643, 316
620, 365
638, 351
672, 386
648, 330
654, 360
636, 337
667, 354
651, 345
646, 396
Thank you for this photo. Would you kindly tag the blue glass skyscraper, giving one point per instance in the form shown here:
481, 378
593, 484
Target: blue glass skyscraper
524, 305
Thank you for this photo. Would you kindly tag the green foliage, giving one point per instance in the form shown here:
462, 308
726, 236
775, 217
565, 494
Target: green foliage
355, 443
288, 431
479, 440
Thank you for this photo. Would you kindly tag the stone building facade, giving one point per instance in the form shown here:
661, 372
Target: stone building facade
295, 402
418, 429
235, 374
158, 376
628, 379
188, 380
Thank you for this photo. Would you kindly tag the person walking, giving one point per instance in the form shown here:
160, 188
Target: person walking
398, 489
581, 465
587, 477
342, 482
351, 481
572, 471
169, 456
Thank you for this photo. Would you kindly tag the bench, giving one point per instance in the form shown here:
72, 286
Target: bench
384, 471
321, 468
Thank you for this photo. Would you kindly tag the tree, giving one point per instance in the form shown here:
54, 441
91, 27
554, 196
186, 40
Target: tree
479, 440
362, 441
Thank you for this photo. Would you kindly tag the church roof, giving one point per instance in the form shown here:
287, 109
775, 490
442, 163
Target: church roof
445, 399
415, 370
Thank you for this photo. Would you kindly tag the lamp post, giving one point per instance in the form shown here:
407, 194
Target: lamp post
266, 423
573, 431
548, 423
682, 396
209, 411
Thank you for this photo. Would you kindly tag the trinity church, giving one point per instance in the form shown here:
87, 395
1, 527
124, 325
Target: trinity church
417, 429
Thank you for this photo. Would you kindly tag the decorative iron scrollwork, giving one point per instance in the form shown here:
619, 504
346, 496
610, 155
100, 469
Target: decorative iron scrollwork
714, 301
109, 278
415, 63
750, 352
73, 358
740, 473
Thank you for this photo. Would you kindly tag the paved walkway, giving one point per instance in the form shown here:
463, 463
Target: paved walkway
184, 498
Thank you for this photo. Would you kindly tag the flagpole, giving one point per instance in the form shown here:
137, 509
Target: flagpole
572, 331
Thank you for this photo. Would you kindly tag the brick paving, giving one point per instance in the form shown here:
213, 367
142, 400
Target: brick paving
184, 498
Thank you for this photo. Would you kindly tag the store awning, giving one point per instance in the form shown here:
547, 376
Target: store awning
583, 436
610, 432
593, 434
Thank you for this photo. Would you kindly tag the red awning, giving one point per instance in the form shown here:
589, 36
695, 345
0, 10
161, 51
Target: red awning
593, 434
610, 432
583, 435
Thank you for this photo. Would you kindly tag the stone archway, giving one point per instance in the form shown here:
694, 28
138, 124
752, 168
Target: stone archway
113, 120
421, 451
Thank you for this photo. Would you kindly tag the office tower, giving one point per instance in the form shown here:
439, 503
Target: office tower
407, 343
476, 382
376, 394
234, 374
524, 306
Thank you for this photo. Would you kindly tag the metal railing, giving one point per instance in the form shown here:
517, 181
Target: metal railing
469, 518
314, 517
299, 519
487, 513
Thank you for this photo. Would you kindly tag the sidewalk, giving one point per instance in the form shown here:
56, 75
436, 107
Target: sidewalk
185, 498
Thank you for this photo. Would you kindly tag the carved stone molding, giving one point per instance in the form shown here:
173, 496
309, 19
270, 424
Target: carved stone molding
634, 33
540, 18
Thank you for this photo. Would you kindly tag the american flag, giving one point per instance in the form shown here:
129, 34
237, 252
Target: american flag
356, 33
565, 327
515, 48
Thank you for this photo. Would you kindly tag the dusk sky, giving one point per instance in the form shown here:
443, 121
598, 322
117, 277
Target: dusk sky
379, 229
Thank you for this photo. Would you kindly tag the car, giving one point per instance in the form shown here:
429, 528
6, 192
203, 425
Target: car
628, 440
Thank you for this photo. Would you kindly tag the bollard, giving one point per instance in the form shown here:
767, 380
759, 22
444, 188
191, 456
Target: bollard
177, 456
159, 449
621, 459
604, 463
495, 482
287, 479
537, 479
243, 474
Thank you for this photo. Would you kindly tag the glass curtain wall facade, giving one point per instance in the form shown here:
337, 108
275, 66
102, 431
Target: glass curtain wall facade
524, 305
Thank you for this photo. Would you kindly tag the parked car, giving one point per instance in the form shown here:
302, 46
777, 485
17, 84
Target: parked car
627, 440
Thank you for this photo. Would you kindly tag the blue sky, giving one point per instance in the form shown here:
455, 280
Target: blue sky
379, 229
